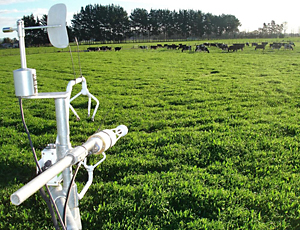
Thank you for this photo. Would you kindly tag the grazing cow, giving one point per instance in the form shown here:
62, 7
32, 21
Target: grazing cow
185, 47
153, 47
236, 47
173, 46
254, 44
275, 46
159, 45
181, 46
201, 48
262, 46
93, 49
118, 48
233, 48
288, 46
104, 48
223, 46
239, 46
143, 47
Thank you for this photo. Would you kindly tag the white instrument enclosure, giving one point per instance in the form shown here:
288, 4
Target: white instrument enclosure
57, 34
49, 154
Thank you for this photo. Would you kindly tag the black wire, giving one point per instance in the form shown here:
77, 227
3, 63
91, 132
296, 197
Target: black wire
78, 56
40, 171
69, 192
48, 202
28, 135
70, 51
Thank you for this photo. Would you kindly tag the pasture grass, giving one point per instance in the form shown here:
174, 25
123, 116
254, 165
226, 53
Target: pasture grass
213, 138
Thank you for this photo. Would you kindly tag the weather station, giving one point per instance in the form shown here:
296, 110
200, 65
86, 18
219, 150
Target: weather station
54, 169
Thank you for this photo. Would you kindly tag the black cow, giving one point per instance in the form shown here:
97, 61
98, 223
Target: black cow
233, 48
180, 46
239, 46
275, 46
185, 47
173, 46
93, 49
262, 46
288, 46
201, 48
118, 48
223, 46
104, 48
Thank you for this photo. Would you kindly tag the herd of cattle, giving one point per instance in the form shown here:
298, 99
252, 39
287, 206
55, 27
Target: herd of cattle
103, 48
204, 47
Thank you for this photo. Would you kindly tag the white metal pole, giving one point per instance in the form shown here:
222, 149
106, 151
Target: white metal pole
21, 34
62, 123
63, 136
62, 146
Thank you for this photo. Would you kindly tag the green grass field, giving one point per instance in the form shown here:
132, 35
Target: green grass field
213, 139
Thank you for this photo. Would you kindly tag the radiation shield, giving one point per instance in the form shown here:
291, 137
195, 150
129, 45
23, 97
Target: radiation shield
56, 23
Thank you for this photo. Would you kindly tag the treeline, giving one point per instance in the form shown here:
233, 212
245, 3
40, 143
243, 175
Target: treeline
35, 37
112, 23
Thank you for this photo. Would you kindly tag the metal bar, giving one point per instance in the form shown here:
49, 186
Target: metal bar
41, 27
35, 184
49, 95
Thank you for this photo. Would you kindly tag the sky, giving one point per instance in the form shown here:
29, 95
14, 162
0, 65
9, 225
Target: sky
252, 14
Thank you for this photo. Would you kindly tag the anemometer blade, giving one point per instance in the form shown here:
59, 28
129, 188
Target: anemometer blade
58, 35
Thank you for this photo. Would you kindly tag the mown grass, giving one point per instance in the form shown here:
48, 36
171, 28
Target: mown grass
213, 138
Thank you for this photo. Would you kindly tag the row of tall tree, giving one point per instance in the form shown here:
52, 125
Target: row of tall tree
272, 28
112, 23
35, 37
